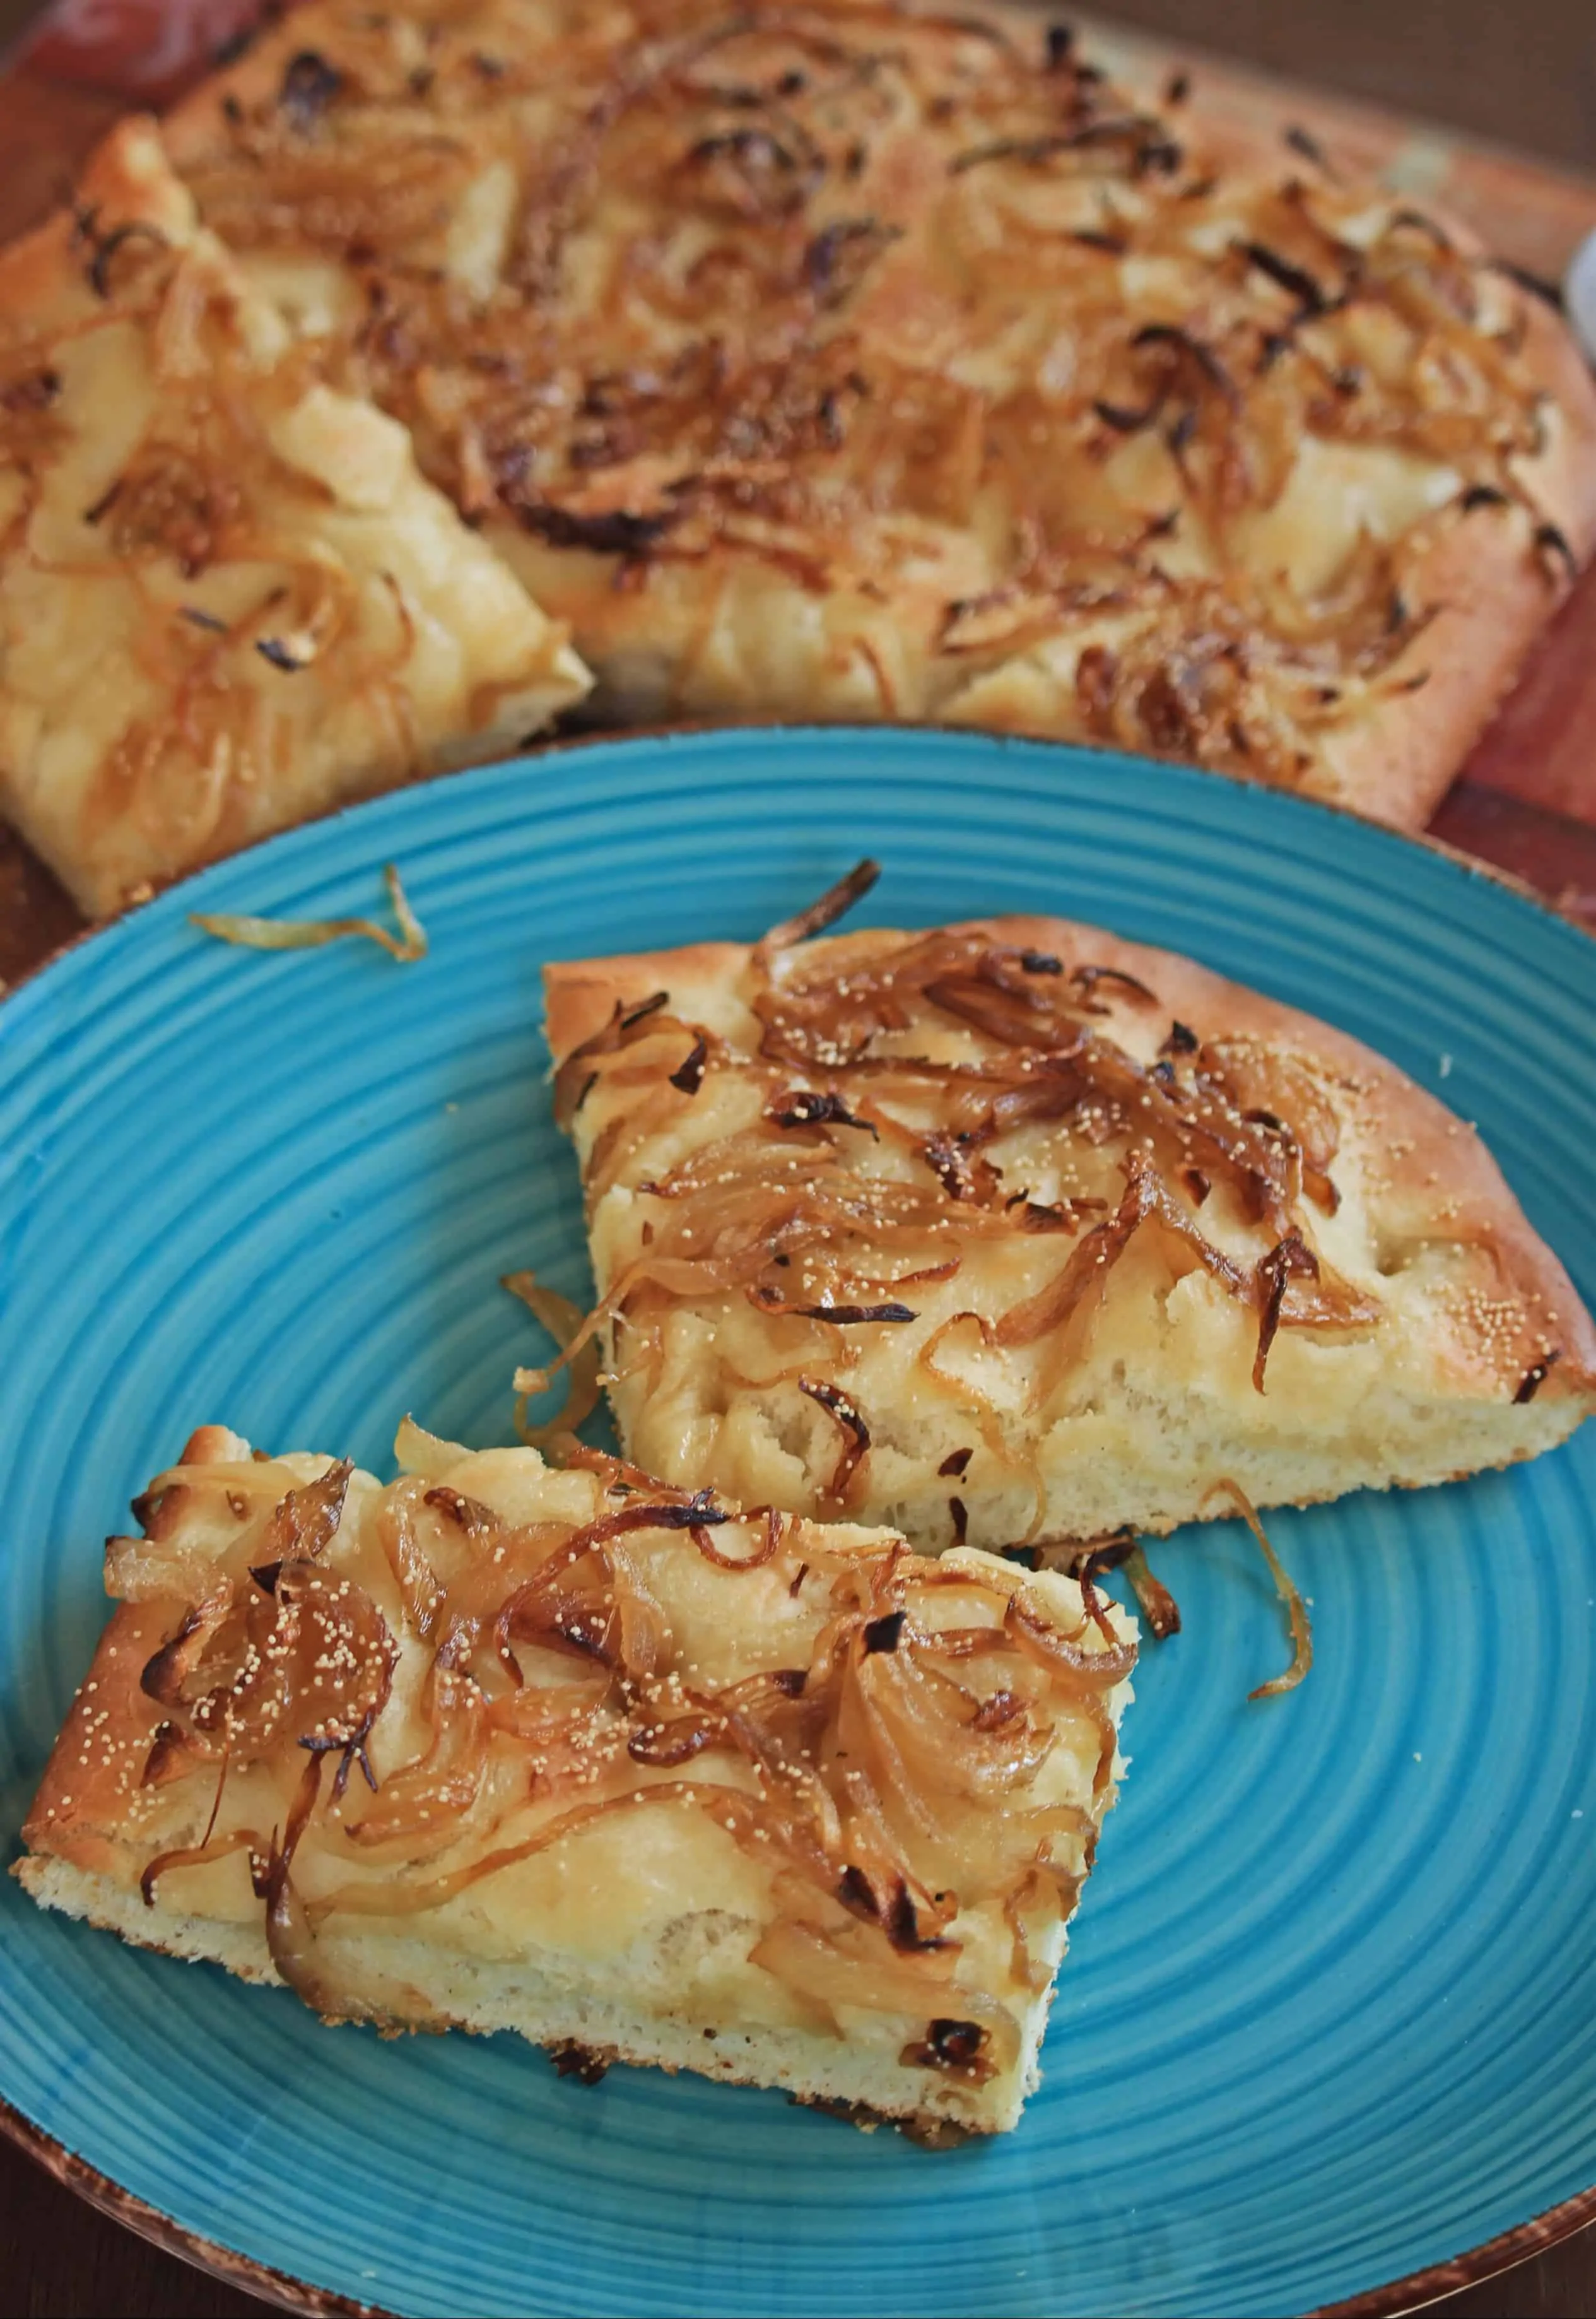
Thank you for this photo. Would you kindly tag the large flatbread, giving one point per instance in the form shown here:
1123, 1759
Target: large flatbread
853, 360
1016, 1231
228, 598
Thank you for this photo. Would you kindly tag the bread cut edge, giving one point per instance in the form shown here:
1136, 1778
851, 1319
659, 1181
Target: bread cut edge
455, 1990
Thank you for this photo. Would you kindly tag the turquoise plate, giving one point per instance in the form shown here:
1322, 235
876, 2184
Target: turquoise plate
1330, 2016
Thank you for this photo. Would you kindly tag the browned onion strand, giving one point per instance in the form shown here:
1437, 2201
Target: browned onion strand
199, 1855
1302, 1632
864, 1780
563, 1321
1157, 1606
408, 945
834, 903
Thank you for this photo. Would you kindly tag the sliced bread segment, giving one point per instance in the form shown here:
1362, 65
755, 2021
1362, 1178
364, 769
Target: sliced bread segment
228, 598
1013, 1231
578, 1755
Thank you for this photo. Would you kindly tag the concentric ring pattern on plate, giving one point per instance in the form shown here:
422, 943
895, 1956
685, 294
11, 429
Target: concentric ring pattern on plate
1331, 2013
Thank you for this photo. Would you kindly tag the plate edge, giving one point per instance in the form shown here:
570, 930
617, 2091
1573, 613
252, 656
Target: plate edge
1472, 865
161, 2230
1474, 2268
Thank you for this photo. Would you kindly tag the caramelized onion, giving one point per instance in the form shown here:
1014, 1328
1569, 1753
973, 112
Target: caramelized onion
305, 1523
420, 1452
1157, 1606
1302, 1633
735, 1812
423, 1802
312, 1647
856, 1433
840, 1970
537, 1612
1082, 1669
563, 1321
1536, 1375
310, 934
199, 1855
834, 903
1290, 1258
1086, 1272
800, 1108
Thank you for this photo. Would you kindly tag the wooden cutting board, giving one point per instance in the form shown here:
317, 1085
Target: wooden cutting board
1526, 800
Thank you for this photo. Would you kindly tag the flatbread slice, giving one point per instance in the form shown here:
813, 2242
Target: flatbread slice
1013, 1231
228, 599
858, 360
573, 1754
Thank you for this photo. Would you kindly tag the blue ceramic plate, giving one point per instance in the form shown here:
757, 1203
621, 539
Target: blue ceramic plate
1330, 2016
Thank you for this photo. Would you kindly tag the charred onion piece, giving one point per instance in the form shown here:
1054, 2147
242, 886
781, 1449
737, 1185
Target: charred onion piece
856, 1433
846, 1316
1553, 546
836, 260
105, 246
798, 1108
1290, 1258
310, 934
309, 85
625, 1022
956, 2046
1538, 285
883, 1634
688, 1075
1139, 140
1303, 142
1536, 1375
1088, 977
1294, 280
825, 912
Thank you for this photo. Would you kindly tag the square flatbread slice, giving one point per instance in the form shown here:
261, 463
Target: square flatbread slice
228, 599
862, 360
573, 1754
1016, 1231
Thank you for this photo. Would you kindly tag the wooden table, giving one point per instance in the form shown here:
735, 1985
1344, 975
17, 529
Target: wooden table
1524, 76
